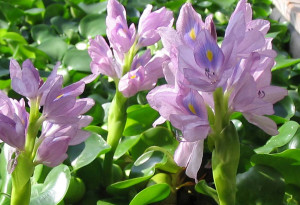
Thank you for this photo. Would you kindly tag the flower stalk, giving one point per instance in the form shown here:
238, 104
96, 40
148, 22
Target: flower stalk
116, 123
226, 152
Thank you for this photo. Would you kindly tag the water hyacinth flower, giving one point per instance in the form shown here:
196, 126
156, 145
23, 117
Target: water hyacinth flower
61, 105
184, 108
103, 61
120, 36
122, 39
25, 81
62, 119
235, 76
149, 23
59, 137
189, 155
13, 121
143, 74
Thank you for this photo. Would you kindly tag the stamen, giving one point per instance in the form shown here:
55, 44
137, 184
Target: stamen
209, 55
133, 77
59, 96
261, 94
207, 72
192, 34
192, 109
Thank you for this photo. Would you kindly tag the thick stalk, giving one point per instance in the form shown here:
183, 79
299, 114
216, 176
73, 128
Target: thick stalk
226, 152
116, 124
21, 185
117, 117
225, 160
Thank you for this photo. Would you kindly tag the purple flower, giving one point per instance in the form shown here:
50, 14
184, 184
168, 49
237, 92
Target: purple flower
55, 139
251, 92
13, 121
120, 36
189, 24
61, 105
203, 66
144, 74
149, 23
103, 61
189, 155
25, 81
52, 150
184, 108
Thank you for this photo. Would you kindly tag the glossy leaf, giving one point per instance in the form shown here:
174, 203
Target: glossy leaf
78, 60
55, 47
260, 185
84, 153
52, 191
124, 145
286, 132
287, 163
92, 25
284, 62
151, 194
139, 119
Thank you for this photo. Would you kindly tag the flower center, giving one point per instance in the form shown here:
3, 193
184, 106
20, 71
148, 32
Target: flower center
192, 34
209, 55
192, 109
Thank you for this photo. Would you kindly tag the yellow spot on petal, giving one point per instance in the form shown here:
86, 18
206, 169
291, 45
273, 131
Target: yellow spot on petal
192, 109
59, 96
209, 55
133, 77
192, 34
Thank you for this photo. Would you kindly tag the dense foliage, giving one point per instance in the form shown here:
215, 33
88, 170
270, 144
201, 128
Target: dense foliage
144, 172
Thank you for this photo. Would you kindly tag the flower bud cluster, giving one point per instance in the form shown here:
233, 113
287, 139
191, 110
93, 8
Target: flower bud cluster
134, 72
199, 67
52, 107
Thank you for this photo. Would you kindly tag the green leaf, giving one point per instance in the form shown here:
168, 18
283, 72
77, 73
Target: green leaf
260, 185
151, 194
55, 47
64, 26
78, 60
14, 37
41, 33
284, 62
224, 3
95, 8
125, 144
11, 13
54, 10
139, 119
52, 191
287, 163
92, 25
284, 110
142, 170
286, 132
160, 136
123, 186
84, 153
203, 188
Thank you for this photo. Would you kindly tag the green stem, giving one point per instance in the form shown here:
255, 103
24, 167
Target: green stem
33, 127
116, 124
226, 150
117, 118
21, 185
225, 160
